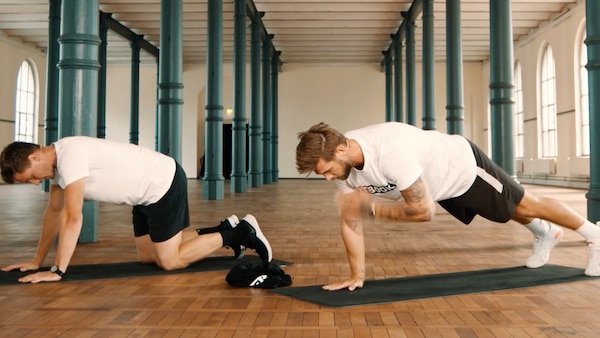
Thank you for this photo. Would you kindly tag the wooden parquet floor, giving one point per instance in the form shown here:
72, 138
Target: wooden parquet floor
300, 220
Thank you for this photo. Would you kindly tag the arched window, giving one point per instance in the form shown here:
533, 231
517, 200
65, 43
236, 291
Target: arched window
26, 104
519, 119
584, 102
548, 104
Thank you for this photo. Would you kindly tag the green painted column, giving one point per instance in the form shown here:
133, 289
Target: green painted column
275, 120
266, 109
102, 52
134, 102
454, 71
239, 177
398, 102
389, 91
52, 58
255, 172
428, 67
213, 132
170, 83
592, 41
411, 96
78, 85
101, 128
501, 84
157, 106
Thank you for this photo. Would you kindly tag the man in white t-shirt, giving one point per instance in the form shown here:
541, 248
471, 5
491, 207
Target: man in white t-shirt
413, 169
85, 168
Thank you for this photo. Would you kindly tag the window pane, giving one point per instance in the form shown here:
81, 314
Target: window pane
548, 106
25, 104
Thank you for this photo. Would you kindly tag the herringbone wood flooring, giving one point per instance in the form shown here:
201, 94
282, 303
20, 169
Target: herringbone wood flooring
300, 220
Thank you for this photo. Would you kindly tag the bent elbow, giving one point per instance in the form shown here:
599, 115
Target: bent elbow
427, 214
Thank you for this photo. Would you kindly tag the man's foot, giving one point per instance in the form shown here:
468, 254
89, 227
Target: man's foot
230, 223
254, 238
543, 245
593, 267
226, 224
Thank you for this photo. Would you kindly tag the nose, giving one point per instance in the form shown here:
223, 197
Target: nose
34, 181
328, 177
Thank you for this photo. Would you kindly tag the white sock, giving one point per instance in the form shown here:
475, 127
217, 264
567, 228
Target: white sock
538, 227
590, 232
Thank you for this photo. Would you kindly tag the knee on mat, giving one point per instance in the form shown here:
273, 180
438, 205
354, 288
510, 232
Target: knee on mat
170, 266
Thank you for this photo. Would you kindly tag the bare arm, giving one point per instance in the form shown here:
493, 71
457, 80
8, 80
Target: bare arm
68, 233
351, 228
71, 228
353, 237
418, 205
50, 225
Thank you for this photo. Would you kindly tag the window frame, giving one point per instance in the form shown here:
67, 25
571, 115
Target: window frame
519, 112
582, 92
548, 145
26, 103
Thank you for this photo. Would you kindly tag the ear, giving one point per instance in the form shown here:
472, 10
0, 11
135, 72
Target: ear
35, 156
340, 149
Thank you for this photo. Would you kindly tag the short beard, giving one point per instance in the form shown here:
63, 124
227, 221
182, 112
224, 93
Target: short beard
347, 169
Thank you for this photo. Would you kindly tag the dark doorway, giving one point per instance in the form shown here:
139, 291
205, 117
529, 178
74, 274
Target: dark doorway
227, 151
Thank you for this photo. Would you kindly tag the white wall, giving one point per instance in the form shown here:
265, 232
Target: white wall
12, 55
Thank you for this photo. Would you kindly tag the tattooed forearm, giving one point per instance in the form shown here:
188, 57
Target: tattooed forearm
411, 212
398, 211
352, 223
417, 205
415, 193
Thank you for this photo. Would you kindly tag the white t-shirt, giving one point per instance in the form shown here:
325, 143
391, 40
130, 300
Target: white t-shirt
396, 154
115, 172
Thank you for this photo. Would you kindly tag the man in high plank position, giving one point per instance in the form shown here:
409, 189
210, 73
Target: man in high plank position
414, 169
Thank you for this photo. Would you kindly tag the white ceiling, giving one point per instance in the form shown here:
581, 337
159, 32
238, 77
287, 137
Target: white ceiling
306, 31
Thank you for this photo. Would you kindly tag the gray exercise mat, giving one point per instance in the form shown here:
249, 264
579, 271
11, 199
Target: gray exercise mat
428, 286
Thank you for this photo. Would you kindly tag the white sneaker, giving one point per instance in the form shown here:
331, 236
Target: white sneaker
593, 267
255, 239
543, 245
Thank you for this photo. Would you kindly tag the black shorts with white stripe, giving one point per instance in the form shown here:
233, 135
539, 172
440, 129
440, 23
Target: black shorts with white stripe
493, 195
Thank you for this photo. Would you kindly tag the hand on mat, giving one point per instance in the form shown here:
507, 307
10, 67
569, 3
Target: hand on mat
42, 276
27, 266
351, 284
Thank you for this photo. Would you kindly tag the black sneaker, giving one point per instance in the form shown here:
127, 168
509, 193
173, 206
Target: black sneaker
254, 238
230, 223
226, 224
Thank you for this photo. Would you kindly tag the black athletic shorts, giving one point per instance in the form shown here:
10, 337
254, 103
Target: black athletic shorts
168, 216
494, 194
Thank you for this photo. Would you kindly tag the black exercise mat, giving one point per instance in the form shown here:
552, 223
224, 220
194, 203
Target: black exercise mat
428, 286
136, 269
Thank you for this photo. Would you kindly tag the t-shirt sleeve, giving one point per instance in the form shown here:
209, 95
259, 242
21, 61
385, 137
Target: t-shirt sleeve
73, 165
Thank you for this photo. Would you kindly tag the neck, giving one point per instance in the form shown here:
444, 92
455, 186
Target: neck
354, 153
49, 154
